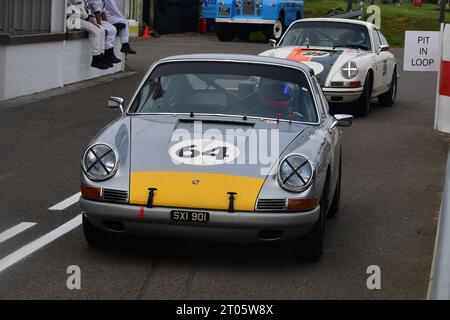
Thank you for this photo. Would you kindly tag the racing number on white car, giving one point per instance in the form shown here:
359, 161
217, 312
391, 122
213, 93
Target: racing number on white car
385, 67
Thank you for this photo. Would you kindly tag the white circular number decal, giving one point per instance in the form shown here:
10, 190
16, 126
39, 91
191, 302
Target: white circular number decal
201, 152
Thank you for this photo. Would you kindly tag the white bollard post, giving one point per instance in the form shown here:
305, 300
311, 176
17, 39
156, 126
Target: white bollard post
442, 117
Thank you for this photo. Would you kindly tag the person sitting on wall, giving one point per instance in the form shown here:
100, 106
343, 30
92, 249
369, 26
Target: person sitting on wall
97, 7
81, 18
114, 16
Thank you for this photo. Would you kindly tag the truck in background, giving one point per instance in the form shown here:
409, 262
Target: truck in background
240, 17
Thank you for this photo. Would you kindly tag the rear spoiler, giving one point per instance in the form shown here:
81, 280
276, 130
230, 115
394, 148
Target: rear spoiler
357, 13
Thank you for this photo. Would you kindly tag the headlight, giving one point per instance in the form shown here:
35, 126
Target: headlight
349, 70
238, 4
295, 173
99, 162
259, 4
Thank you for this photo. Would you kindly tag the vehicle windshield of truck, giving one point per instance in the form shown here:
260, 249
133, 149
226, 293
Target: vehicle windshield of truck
227, 88
327, 34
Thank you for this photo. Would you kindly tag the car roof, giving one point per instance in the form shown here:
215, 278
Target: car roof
243, 58
349, 21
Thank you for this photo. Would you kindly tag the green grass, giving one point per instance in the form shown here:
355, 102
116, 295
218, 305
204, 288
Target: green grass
395, 20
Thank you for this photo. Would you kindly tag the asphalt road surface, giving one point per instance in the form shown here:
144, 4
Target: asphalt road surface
392, 187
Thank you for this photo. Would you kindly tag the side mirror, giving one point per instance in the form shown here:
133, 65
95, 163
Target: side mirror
383, 47
341, 120
115, 103
273, 42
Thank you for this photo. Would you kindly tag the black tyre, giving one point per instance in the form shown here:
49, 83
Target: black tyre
311, 245
277, 30
225, 31
96, 237
244, 35
388, 99
334, 208
363, 103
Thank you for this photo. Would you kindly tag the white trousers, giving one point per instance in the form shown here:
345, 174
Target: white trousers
111, 32
96, 37
124, 33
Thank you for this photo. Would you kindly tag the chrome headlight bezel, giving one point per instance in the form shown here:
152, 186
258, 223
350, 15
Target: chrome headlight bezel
291, 187
110, 172
350, 70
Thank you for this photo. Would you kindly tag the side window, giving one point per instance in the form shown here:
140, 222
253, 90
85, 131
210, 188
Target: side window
376, 39
323, 107
383, 39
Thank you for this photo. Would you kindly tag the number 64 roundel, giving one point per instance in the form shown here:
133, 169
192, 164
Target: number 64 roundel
203, 152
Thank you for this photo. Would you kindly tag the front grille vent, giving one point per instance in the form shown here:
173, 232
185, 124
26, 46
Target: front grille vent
271, 204
115, 195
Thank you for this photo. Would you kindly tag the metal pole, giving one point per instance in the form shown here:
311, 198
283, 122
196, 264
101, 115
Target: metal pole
442, 11
349, 5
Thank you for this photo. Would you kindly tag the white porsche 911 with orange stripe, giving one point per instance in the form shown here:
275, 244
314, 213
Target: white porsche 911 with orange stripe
351, 59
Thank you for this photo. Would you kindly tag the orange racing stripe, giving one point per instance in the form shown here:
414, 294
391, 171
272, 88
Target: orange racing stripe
297, 55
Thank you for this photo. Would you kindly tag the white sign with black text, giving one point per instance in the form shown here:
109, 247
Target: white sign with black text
422, 51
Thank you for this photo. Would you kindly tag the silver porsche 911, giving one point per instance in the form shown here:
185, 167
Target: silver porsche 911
217, 147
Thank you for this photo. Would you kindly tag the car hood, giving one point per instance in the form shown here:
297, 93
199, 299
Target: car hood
186, 162
325, 63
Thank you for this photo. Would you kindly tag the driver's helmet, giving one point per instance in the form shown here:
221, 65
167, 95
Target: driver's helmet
274, 93
354, 37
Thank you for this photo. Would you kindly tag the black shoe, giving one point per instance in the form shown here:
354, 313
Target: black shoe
105, 61
98, 63
127, 49
111, 57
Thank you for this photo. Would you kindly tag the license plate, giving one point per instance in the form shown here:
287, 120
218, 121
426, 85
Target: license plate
189, 216
224, 11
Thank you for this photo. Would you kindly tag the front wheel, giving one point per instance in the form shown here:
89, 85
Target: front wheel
335, 204
225, 31
388, 99
363, 103
311, 245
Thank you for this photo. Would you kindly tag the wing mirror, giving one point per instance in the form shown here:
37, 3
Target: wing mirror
383, 47
116, 103
341, 120
273, 42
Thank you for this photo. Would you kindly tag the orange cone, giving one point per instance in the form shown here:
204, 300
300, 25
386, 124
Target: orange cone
146, 33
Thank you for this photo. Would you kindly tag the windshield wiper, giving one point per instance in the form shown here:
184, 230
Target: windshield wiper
351, 45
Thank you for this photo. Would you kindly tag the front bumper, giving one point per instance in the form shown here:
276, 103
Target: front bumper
342, 95
247, 21
222, 225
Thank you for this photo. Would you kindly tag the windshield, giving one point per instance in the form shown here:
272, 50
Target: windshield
253, 90
327, 34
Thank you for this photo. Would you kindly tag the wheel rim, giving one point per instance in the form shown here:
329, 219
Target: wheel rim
277, 29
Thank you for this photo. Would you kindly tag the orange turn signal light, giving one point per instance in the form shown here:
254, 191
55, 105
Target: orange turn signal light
355, 84
302, 204
88, 192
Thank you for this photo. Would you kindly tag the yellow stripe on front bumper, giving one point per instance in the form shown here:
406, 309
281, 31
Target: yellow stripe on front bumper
195, 190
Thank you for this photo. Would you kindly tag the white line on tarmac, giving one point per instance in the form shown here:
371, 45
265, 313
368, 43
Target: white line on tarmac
39, 243
12, 232
66, 203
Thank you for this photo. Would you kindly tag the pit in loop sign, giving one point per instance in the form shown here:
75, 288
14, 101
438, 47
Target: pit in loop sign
422, 51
